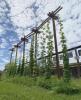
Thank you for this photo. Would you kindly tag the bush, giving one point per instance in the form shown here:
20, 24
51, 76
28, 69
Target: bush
41, 71
45, 83
27, 71
35, 71
10, 69
67, 89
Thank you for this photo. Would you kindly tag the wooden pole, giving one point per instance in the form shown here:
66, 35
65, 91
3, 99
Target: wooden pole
11, 57
36, 32
16, 47
11, 54
53, 17
24, 39
36, 48
24, 52
56, 48
16, 55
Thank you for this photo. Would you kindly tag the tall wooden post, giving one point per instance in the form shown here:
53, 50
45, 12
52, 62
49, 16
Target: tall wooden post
12, 50
36, 47
16, 47
24, 39
36, 32
55, 41
78, 63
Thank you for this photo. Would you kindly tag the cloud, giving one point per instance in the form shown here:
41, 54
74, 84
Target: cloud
3, 44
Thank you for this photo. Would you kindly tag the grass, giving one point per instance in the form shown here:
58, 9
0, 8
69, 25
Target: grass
24, 88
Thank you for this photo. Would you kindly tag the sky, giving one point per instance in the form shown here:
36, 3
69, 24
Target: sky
17, 17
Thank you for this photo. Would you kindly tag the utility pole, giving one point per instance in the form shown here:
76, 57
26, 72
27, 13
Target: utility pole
54, 17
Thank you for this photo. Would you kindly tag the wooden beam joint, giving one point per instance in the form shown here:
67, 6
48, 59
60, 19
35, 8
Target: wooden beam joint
52, 15
24, 39
35, 30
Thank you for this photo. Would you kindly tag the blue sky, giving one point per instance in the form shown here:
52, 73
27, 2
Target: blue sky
17, 17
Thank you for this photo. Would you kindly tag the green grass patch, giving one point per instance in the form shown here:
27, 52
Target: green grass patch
26, 88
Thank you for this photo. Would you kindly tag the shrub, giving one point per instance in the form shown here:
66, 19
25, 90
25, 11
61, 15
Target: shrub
35, 71
45, 83
41, 71
67, 89
10, 69
27, 71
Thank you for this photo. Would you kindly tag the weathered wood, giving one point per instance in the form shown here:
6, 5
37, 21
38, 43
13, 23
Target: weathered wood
16, 47
56, 48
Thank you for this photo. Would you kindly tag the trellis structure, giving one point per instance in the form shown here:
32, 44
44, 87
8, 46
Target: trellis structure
35, 31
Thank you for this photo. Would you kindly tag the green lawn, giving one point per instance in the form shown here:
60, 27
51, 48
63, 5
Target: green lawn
10, 90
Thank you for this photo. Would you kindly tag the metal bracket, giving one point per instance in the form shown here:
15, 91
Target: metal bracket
35, 30
24, 39
17, 46
52, 15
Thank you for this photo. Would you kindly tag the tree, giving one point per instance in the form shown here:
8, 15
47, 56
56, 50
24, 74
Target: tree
66, 74
49, 51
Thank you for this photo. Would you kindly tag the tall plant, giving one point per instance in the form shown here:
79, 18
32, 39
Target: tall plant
10, 69
19, 66
43, 50
32, 60
49, 51
36, 54
66, 74
23, 60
